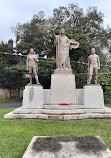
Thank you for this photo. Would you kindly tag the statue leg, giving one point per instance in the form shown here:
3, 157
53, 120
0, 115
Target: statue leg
30, 73
30, 78
95, 75
36, 76
90, 75
60, 64
64, 65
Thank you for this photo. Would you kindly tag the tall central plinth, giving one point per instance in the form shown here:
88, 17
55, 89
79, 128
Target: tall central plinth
63, 89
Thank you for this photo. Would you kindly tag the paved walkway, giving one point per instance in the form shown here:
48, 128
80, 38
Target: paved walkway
16, 104
10, 104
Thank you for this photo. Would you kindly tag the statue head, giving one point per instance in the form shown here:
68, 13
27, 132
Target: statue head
31, 50
93, 51
62, 31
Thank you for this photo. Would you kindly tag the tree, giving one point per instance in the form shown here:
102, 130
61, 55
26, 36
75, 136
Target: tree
32, 34
87, 28
91, 25
12, 77
4, 47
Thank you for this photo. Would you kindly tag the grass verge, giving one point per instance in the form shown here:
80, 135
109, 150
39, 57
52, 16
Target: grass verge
15, 135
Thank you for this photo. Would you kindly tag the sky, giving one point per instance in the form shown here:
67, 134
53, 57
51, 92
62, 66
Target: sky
21, 11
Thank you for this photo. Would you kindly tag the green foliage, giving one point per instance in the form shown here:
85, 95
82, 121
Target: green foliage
12, 72
4, 47
46, 67
105, 80
22, 46
32, 34
13, 98
81, 80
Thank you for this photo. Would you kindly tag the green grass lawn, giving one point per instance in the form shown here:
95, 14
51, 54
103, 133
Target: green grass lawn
13, 99
15, 135
7, 100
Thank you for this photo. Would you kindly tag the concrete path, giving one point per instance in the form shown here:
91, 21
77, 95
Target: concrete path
10, 104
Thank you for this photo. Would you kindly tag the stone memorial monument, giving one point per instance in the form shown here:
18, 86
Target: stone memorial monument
63, 101
63, 88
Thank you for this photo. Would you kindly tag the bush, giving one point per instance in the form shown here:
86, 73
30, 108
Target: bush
81, 80
104, 79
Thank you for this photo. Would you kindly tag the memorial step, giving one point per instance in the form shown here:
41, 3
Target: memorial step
11, 115
76, 111
60, 111
63, 107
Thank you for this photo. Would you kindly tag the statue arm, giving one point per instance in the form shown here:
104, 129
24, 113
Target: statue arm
73, 43
36, 59
88, 63
98, 63
53, 32
27, 63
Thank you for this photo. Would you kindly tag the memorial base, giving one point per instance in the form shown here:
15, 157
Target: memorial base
63, 71
63, 89
93, 97
39, 103
33, 97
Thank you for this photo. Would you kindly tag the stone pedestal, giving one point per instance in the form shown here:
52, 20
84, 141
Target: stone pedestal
67, 147
63, 71
63, 89
33, 97
93, 97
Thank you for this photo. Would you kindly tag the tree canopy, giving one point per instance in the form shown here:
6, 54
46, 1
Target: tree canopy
87, 28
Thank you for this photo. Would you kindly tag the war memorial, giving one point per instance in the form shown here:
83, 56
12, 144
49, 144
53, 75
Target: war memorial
62, 101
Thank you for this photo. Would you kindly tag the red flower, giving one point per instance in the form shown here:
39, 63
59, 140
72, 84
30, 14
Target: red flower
5, 53
64, 104
52, 57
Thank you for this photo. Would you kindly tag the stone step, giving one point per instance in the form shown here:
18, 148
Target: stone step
27, 111
60, 111
63, 107
75, 111
11, 115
